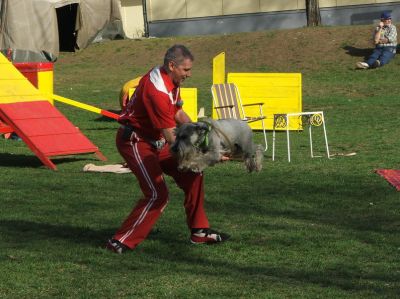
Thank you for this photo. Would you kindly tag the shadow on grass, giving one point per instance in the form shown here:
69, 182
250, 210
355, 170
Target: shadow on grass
340, 275
357, 52
23, 161
11, 160
351, 206
186, 258
32, 232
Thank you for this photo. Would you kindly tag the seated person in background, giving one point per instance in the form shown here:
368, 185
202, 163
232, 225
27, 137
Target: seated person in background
385, 40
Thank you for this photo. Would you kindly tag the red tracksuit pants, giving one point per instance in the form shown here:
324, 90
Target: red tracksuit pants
148, 164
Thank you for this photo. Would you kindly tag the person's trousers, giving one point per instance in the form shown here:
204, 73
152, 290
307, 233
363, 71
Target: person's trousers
148, 164
383, 54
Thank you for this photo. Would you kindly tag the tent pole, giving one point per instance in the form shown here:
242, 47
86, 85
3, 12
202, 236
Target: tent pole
146, 24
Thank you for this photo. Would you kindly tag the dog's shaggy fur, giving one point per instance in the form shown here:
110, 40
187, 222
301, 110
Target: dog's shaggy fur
202, 144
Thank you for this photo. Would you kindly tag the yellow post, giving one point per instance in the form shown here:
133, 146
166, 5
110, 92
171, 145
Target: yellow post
75, 103
218, 76
45, 82
219, 68
189, 97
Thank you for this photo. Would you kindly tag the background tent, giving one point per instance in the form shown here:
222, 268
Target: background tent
36, 30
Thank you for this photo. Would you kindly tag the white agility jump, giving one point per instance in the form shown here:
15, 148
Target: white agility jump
313, 119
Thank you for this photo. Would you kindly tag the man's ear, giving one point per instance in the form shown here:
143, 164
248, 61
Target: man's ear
171, 66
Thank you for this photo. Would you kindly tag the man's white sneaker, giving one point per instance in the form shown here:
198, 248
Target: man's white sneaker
362, 65
207, 236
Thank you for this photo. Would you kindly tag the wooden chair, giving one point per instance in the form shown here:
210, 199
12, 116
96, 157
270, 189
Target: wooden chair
228, 104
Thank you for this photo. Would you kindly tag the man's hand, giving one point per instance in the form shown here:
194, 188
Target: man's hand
169, 135
181, 117
225, 158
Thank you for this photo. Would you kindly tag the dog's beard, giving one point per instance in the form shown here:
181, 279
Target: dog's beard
254, 162
190, 158
185, 154
196, 162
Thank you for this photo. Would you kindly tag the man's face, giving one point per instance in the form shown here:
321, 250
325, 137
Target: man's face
386, 22
180, 72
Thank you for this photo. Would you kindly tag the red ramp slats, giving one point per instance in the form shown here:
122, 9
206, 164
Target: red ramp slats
391, 175
46, 130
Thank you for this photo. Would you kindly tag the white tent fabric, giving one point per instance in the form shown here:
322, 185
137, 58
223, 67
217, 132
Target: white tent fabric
31, 25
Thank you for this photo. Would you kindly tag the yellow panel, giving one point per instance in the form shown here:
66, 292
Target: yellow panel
3, 59
280, 93
167, 9
189, 97
239, 7
278, 5
219, 69
204, 8
17, 87
271, 79
21, 98
9, 72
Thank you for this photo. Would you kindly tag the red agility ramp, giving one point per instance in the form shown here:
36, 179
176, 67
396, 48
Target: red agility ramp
46, 131
392, 176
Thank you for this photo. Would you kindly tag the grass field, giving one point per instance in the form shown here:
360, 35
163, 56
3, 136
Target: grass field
312, 228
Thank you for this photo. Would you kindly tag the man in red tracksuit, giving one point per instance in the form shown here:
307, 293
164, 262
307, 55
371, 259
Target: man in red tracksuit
147, 130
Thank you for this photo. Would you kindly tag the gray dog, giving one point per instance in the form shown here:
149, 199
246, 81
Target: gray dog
202, 144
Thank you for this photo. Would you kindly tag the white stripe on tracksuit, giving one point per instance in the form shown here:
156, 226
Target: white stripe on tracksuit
153, 197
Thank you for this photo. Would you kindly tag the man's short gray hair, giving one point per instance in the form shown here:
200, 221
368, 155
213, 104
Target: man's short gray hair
177, 54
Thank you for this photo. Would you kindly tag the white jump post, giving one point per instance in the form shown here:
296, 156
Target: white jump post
315, 119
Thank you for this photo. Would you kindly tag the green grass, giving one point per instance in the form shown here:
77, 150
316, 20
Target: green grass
312, 228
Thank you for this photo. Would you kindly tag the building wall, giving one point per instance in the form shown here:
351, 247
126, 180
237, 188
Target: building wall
226, 19
132, 18
179, 9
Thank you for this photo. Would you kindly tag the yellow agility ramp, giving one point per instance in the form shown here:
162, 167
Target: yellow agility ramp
29, 113
14, 87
